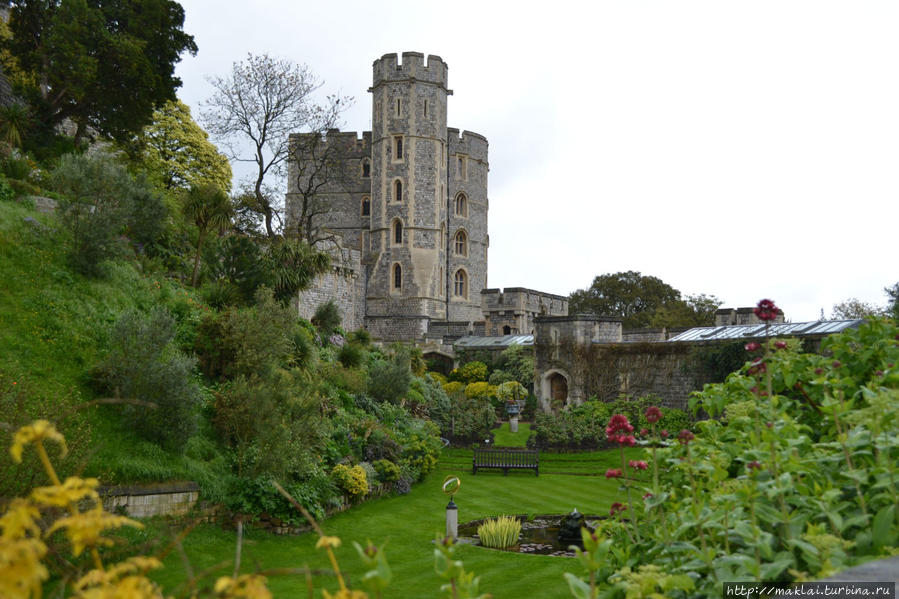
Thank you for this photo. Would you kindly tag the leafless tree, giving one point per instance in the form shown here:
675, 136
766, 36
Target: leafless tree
324, 166
257, 106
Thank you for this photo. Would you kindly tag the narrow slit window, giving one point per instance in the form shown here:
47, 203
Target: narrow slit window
397, 107
398, 232
366, 206
397, 276
397, 191
398, 147
426, 108
366, 168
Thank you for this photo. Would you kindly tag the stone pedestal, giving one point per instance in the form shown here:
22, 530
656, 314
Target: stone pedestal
513, 424
452, 520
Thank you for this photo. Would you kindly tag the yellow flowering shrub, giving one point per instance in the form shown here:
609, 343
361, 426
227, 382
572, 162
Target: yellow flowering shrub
351, 481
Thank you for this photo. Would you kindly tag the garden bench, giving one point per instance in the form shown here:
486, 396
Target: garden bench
507, 459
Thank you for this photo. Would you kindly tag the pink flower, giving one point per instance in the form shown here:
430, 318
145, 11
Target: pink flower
618, 422
753, 346
664, 433
653, 414
685, 437
836, 364
766, 310
617, 508
819, 371
644, 432
638, 464
613, 473
780, 345
753, 465
628, 440
647, 496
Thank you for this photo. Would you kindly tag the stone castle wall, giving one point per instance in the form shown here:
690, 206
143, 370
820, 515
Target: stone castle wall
344, 284
517, 307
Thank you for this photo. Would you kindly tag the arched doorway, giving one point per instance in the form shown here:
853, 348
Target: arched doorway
558, 388
553, 392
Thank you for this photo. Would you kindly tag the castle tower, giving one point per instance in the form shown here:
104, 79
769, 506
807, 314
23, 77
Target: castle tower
408, 239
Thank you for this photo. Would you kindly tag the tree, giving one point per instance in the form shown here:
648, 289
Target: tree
104, 64
262, 101
628, 295
323, 166
209, 208
177, 151
893, 305
855, 308
693, 311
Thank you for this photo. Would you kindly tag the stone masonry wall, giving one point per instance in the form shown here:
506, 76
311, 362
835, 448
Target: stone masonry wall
172, 499
345, 285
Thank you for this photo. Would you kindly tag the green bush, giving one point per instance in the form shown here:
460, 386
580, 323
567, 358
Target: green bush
388, 472
7, 193
327, 318
144, 365
471, 372
389, 379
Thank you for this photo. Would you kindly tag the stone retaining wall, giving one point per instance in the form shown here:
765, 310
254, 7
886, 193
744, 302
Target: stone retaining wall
144, 501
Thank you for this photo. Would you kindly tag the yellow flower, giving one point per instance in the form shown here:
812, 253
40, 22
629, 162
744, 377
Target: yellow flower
325, 541
83, 529
68, 493
37, 431
19, 520
245, 586
21, 570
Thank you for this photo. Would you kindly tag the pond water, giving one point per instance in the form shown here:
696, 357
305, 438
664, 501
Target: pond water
539, 535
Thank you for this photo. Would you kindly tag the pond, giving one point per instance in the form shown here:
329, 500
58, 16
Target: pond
539, 535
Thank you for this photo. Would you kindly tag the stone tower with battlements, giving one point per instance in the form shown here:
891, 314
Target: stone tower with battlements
410, 201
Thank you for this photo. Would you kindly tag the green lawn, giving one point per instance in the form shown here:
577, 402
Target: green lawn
409, 523
503, 438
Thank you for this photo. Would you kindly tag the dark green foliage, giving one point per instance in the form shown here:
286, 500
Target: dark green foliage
272, 424
388, 472
893, 305
246, 341
627, 295
389, 378
716, 362
326, 318
237, 264
144, 365
209, 208
294, 265
7, 194
17, 167
351, 355
108, 65
101, 204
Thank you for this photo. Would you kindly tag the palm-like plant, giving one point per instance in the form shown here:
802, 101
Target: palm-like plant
210, 209
14, 121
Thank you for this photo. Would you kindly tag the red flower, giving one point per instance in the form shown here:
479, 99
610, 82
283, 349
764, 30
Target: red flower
664, 433
618, 422
836, 364
780, 345
653, 414
753, 465
753, 346
638, 464
647, 496
643, 432
766, 310
616, 508
613, 473
685, 437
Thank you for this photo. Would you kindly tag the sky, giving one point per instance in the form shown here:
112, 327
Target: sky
736, 149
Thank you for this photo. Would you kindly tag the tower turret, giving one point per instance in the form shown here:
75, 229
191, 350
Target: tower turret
408, 196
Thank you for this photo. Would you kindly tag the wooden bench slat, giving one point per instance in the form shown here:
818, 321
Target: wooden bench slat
506, 459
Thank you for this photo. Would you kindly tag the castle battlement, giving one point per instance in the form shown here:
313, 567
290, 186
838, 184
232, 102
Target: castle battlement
469, 143
413, 67
350, 140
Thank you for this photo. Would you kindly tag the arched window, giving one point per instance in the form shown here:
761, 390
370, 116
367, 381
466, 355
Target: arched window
461, 244
366, 206
461, 205
507, 330
397, 191
398, 147
397, 232
366, 168
460, 284
397, 276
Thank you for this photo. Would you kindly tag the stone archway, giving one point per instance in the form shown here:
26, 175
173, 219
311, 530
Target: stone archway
554, 390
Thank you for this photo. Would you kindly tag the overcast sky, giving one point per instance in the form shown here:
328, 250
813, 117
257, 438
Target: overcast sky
737, 149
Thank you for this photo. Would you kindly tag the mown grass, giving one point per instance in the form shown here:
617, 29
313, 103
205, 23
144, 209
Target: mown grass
408, 524
503, 437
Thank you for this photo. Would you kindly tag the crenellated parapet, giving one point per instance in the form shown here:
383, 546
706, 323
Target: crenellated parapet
351, 143
414, 67
473, 145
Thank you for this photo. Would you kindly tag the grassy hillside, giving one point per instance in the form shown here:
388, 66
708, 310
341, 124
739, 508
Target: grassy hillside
54, 326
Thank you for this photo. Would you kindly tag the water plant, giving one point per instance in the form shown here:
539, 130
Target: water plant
500, 532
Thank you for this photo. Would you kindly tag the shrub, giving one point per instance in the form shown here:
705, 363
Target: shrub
500, 532
327, 318
388, 472
351, 481
7, 193
471, 372
389, 379
351, 355
144, 365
